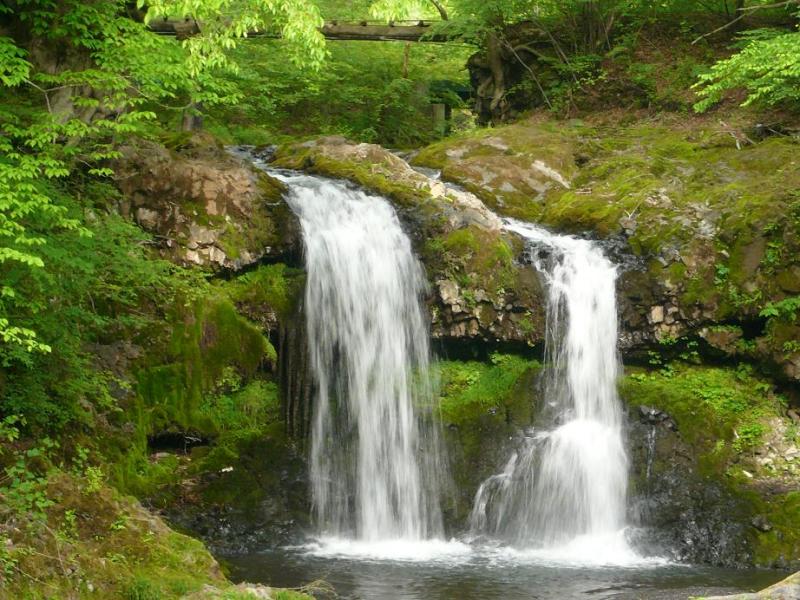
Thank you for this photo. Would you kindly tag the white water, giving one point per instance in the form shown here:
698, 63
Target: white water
563, 495
373, 460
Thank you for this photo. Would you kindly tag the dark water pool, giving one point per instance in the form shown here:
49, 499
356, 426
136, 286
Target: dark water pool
484, 575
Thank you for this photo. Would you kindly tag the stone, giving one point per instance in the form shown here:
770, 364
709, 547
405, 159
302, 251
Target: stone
205, 206
146, 218
789, 279
657, 314
448, 291
438, 189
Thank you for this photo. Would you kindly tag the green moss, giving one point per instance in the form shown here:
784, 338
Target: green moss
483, 405
208, 336
472, 388
780, 546
210, 343
720, 412
476, 259
103, 545
499, 165
462, 241
372, 175
480, 395
277, 286
655, 173
724, 414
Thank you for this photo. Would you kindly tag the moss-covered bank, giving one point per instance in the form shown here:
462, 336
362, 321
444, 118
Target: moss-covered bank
484, 406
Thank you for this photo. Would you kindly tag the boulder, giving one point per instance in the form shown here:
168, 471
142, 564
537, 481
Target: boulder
787, 589
479, 291
203, 206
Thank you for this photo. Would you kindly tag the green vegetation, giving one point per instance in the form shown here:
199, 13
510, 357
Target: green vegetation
483, 405
474, 258
721, 412
64, 531
767, 66
469, 389
105, 345
379, 93
727, 416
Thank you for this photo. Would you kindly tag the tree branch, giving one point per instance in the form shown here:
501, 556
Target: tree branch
744, 11
441, 9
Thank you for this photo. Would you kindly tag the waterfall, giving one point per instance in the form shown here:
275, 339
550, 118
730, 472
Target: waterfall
373, 454
569, 481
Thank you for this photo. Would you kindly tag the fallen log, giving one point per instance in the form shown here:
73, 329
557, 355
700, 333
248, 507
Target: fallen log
332, 30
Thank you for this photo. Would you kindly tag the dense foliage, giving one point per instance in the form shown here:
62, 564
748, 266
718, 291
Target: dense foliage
366, 91
103, 341
768, 67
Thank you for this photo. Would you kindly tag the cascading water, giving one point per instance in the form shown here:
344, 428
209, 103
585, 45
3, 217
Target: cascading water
567, 486
373, 459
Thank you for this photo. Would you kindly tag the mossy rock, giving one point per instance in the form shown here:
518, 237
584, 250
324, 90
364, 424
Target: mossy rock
717, 226
484, 405
513, 168
720, 450
462, 244
96, 543
205, 207
209, 345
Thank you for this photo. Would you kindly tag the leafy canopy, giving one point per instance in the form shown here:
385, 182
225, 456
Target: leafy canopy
768, 68
103, 76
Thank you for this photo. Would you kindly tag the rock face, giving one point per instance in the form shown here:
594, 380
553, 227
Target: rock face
205, 207
478, 291
713, 228
685, 515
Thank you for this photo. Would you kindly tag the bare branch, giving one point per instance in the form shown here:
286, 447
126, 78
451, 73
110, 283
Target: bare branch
718, 29
744, 12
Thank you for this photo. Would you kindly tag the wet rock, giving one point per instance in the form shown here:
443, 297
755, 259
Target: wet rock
680, 512
262, 502
654, 416
657, 315
761, 523
724, 339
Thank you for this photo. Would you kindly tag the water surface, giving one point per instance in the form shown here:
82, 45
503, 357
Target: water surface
487, 574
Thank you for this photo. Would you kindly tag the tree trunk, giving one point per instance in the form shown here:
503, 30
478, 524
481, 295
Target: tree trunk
192, 118
495, 57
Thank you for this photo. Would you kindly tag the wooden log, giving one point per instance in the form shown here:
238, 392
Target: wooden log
378, 33
332, 30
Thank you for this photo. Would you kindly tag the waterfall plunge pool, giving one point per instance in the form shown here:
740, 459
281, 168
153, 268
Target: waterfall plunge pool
438, 570
367, 334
